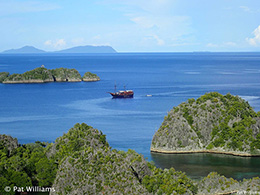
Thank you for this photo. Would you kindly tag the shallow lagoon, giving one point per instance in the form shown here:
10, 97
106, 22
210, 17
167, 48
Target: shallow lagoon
201, 164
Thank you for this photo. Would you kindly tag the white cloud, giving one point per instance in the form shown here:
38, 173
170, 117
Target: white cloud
159, 41
15, 6
245, 8
230, 44
161, 29
154, 21
222, 45
48, 42
57, 44
252, 10
155, 6
255, 41
155, 38
143, 21
212, 45
97, 37
60, 43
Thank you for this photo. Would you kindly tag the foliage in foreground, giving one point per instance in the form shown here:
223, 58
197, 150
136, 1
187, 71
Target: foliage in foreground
82, 162
27, 165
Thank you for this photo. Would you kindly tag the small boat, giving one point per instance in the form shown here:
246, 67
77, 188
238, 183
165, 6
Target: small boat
122, 94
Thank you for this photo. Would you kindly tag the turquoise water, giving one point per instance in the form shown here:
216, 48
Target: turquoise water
43, 112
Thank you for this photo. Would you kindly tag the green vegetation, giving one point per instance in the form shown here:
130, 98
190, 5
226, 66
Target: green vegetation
84, 156
82, 162
64, 74
37, 75
216, 183
88, 76
42, 75
3, 76
218, 121
26, 166
168, 181
238, 135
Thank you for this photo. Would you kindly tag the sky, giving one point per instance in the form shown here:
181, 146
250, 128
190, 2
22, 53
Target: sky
132, 25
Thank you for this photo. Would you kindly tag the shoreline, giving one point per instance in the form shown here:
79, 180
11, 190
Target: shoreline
48, 81
203, 151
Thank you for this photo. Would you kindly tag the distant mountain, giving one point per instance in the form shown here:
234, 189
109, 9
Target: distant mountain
88, 49
79, 49
25, 49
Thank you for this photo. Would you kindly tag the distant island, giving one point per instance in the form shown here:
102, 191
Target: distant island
43, 75
88, 49
213, 123
25, 49
79, 49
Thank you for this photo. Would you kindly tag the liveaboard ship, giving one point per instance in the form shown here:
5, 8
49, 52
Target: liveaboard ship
122, 94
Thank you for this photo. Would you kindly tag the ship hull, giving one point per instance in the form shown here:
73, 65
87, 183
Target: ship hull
122, 96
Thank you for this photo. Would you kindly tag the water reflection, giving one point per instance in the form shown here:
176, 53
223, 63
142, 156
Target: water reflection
198, 165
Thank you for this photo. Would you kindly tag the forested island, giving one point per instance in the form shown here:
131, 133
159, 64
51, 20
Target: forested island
213, 123
43, 75
82, 162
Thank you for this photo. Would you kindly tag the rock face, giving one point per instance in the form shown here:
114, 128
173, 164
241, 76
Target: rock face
212, 123
217, 184
38, 75
66, 75
43, 75
3, 76
89, 166
9, 143
89, 77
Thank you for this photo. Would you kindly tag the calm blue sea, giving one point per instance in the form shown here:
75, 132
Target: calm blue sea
44, 112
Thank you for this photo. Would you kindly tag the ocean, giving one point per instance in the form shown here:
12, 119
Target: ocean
43, 112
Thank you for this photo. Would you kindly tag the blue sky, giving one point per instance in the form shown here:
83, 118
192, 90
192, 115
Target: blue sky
132, 25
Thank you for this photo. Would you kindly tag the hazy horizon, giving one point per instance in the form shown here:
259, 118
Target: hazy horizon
131, 25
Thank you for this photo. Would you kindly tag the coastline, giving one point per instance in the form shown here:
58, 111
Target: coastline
49, 81
43, 75
27, 81
203, 151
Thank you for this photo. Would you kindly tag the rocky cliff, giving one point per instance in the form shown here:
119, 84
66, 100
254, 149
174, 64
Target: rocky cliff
3, 76
8, 144
219, 185
38, 75
88, 76
88, 165
213, 123
64, 74
43, 75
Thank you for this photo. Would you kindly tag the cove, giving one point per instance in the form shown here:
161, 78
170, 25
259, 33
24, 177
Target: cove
199, 165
